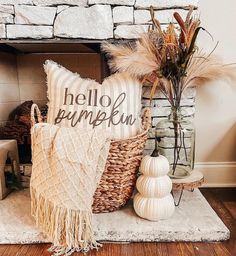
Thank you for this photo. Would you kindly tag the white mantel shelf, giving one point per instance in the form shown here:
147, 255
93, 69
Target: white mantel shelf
56, 45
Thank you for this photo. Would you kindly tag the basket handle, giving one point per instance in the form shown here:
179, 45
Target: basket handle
35, 112
146, 118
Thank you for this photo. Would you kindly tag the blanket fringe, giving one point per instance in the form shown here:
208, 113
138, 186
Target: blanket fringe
69, 230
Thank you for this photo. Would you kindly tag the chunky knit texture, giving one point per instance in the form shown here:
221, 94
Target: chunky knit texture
67, 167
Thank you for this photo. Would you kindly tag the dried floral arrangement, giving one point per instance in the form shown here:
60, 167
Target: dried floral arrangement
169, 59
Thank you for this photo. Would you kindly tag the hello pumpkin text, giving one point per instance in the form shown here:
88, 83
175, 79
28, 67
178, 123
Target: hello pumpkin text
113, 117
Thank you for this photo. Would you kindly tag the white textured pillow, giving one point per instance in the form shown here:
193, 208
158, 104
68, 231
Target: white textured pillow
114, 105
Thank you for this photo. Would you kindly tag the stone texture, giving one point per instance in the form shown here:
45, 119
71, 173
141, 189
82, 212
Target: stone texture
161, 111
168, 142
165, 4
129, 31
188, 223
76, 22
187, 102
29, 31
123, 14
150, 144
2, 31
165, 111
34, 15
151, 134
155, 119
6, 18
112, 2
146, 93
164, 16
189, 93
157, 103
6, 9
95, 21
166, 147
61, 8
58, 2
15, 2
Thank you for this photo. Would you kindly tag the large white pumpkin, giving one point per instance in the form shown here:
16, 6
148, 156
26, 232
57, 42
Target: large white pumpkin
154, 209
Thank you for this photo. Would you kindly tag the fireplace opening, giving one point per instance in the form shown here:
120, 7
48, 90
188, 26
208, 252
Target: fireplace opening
23, 81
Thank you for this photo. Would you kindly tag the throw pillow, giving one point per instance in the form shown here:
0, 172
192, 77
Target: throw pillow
114, 105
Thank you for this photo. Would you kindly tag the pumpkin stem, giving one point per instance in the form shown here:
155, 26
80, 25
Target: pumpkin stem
155, 152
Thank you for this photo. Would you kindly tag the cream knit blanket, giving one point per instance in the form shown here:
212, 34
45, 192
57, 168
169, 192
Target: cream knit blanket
67, 166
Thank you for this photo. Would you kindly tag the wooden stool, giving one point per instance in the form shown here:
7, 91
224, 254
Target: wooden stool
195, 180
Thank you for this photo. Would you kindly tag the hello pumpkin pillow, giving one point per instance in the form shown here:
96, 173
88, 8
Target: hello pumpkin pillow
114, 105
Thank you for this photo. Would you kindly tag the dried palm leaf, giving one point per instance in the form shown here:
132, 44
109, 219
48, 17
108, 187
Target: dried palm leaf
193, 40
130, 60
166, 87
154, 88
203, 69
188, 17
182, 37
146, 46
191, 32
180, 21
116, 50
155, 22
170, 36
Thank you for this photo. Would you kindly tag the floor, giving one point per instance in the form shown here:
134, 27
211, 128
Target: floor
222, 200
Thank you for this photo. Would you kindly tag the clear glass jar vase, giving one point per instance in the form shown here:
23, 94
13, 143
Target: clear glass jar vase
175, 137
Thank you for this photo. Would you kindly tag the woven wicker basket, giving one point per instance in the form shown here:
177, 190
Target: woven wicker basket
120, 174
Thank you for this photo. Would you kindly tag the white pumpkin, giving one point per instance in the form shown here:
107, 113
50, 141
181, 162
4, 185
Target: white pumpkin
154, 209
154, 186
154, 201
154, 166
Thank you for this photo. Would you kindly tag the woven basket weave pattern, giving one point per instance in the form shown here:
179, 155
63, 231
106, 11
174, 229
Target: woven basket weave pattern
119, 177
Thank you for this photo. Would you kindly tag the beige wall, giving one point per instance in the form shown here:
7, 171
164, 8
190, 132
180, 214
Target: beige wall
216, 102
9, 90
33, 87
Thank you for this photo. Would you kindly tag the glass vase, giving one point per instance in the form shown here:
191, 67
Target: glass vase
175, 137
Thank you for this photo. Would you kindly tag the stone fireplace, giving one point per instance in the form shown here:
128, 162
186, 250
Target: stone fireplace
90, 19
70, 32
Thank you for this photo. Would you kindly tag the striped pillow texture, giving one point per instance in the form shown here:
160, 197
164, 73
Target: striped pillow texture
113, 106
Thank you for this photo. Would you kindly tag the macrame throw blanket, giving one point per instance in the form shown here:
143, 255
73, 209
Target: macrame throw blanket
67, 166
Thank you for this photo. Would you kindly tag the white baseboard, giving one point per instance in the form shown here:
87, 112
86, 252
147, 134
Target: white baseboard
218, 174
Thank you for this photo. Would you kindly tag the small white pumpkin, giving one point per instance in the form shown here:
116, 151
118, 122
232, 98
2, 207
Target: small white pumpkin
154, 209
155, 166
154, 186
154, 201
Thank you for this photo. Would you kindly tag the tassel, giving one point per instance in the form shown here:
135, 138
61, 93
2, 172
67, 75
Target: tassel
69, 230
